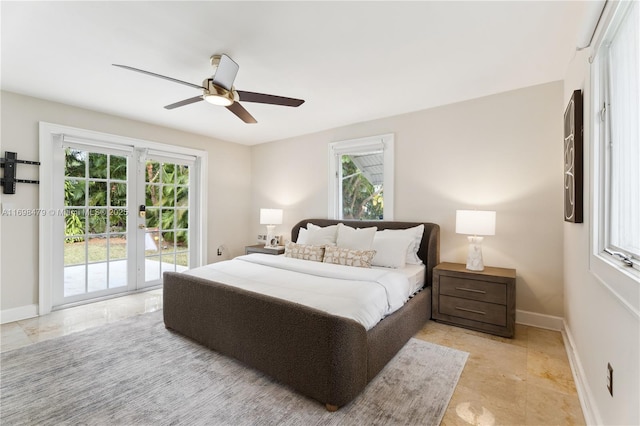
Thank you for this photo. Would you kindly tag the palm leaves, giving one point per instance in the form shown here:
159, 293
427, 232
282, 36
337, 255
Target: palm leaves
360, 198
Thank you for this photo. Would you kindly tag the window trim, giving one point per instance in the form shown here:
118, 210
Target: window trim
362, 145
622, 281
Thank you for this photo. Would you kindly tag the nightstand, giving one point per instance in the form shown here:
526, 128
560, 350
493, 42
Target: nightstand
260, 248
479, 300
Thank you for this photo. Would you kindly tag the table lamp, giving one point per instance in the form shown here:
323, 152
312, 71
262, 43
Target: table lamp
474, 223
271, 217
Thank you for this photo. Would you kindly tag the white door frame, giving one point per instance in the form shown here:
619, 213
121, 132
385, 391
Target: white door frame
50, 134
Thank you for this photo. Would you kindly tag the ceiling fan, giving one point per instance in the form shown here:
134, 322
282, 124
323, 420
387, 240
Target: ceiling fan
219, 89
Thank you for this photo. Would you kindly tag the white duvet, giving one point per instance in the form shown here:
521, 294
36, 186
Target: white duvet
364, 295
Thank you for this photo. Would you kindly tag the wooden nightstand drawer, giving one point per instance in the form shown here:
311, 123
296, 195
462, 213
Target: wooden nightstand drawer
489, 313
484, 291
479, 300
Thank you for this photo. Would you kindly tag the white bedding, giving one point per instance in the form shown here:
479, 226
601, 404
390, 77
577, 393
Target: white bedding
415, 274
362, 294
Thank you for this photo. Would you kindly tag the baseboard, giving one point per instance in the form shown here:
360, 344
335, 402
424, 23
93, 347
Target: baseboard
539, 320
17, 314
589, 410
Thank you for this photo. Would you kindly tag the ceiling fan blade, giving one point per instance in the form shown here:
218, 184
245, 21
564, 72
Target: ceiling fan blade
242, 113
185, 102
226, 72
175, 80
268, 99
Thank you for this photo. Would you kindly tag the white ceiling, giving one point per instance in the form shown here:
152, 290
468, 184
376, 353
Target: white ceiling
350, 61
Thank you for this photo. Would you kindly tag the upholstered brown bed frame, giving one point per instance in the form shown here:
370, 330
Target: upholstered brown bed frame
325, 357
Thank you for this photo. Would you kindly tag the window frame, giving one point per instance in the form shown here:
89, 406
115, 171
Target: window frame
621, 280
360, 146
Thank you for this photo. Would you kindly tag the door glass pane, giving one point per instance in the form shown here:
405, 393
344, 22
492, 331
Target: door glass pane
152, 218
182, 175
168, 195
97, 193
152, 242
152, 268
98, 167
95, 247
117, 246
118, 220
118, 168
118, 194
152, 195
75, 253
97, 221
182, 218
152, 172
74, 192
75, 163
97, 274
168, 173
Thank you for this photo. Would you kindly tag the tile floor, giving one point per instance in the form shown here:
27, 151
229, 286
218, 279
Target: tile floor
521, 381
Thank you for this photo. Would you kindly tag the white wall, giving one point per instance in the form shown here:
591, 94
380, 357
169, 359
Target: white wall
601, 328
228, 187
501, 152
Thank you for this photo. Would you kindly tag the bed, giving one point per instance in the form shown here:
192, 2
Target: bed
326, 357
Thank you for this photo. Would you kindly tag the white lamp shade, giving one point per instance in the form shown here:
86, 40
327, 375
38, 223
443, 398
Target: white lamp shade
270, 216
475, 222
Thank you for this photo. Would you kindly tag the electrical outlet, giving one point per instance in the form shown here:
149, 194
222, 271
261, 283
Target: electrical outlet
610, 379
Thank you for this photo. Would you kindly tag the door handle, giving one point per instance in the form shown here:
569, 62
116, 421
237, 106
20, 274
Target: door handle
142, 226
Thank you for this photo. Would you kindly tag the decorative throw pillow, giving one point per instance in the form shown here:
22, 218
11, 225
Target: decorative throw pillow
391, 249
348, 257
304, 252
357, 239
320, 236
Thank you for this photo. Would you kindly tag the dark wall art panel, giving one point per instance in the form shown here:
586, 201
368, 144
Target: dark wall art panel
573, 159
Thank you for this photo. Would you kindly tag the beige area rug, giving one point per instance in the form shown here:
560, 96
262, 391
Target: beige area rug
136, 372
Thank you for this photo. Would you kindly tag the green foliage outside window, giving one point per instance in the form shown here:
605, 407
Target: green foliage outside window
100, 181
360, 198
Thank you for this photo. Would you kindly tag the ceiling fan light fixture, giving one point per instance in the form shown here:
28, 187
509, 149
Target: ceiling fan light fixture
217, 95
218, 99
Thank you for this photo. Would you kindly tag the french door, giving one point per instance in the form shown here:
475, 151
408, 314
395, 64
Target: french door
128, 216
166, 218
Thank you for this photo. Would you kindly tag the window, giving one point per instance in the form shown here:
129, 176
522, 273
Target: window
361, 178
617, 135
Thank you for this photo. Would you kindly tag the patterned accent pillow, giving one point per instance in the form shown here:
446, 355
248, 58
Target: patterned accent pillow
304, 252
348, 257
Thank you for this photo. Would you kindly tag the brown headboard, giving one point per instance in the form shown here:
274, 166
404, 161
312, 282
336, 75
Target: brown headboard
429, 250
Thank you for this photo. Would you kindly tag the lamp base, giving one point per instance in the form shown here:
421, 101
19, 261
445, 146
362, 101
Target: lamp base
270, 237
474, 255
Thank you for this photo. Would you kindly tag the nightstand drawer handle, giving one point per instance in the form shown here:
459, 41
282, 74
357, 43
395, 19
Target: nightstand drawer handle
472, 290
470, 310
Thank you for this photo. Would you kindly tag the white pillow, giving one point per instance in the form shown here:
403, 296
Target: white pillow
319, 236
302, 236
357, 239
415, 234
391, 249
